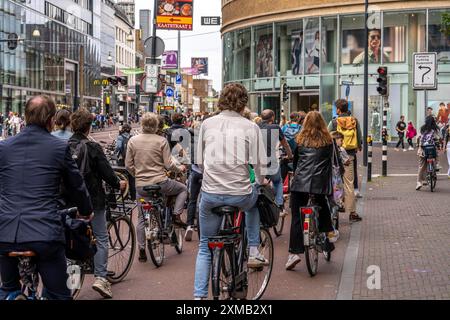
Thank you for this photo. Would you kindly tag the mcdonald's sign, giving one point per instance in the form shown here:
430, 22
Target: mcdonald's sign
101, 82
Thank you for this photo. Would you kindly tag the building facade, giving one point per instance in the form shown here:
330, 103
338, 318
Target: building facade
58, 55
317, 48
129, 7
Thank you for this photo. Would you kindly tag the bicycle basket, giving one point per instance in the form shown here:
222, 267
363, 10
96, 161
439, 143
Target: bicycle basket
429, 151
269, 213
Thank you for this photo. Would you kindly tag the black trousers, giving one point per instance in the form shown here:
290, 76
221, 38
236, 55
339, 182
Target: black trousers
410, 142
401, 140
195, 184
298, 200
51, 265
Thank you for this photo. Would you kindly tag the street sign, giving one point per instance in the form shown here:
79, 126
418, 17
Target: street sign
178, 79
144, 99
175, 16
210, 21
151, 70
348, 83
151, 85
169, 92
425, 71
159, 47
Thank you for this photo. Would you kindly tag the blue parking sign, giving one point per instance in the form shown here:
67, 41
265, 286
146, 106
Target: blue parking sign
169, 92
178, 79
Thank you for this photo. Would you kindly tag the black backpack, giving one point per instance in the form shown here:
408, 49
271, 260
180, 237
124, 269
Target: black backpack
269, 213
122, 155
79, 151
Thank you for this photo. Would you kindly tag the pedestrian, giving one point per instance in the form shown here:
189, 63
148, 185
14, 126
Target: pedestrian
429, 135
62, 122
411, 132
30, 178
401, 129
350, 128
312, 176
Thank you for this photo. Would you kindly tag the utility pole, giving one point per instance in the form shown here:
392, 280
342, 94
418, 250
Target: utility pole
384, 136
366, 83
153, 58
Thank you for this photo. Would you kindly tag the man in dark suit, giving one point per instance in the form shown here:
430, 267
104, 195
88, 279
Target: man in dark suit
32, 166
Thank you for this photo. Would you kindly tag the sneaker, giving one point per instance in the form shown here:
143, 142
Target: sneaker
142, 255
396, 149
354, 217
411, 149
404, 150
257, 261
333, 236
102, 286
283, 213
419, 185
200, 298
188, 234
357, 194
293, 260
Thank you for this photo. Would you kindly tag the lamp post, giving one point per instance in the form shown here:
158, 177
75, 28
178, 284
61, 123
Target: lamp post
366, 84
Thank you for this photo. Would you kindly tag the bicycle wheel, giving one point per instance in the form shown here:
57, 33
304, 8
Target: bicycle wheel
222, 274
155, 245
75, 278
311, 252
327, 254
125, 193
122, 246
216, 267
258, 278
178, 235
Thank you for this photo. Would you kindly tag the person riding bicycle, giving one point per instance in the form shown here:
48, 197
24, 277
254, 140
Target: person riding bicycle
148, 160
33, 165
97, 171
312, 176
121, 152
227, 143
429, 136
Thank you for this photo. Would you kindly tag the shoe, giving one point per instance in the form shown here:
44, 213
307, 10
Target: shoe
283, 213
404, 150
200, 298
411, 149
102, 286
142, 255
257, 261
333, 236
357, 194
176, 219
188, 234
438, 167
293, 260
419, 185
354, 217
396, 149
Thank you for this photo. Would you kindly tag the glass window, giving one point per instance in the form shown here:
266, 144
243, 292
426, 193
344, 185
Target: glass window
394, 36
438, 40
290, 48
242, 51
352, 39
329, 41
264, 51
228, 57
313, 46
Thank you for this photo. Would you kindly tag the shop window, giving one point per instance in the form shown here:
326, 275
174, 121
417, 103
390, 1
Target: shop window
264, 63
314, 48
438, 36
228, 58
290, 48
394, 36
242, 51
352, 39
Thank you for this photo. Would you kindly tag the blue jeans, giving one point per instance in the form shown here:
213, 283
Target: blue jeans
278, 186
101, 235
210, 224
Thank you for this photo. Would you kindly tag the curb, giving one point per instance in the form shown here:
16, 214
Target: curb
347, 281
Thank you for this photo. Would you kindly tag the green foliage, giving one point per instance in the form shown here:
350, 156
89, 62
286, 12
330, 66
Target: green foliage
445, 27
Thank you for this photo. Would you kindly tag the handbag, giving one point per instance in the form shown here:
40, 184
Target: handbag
269, 212
80, 240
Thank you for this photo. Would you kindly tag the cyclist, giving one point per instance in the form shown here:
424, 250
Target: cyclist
99, 170
29, 202
312, 175
429, 135
148, 158
226, 179
121, 152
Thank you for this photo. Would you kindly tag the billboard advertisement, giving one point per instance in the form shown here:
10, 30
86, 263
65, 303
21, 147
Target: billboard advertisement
201, 64
264, 58
175, 14
170, 60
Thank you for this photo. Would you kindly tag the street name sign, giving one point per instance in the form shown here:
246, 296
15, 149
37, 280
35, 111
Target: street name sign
210, 21
425, 71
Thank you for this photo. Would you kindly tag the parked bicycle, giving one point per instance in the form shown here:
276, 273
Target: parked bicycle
430, 157
231, 278
315, 242
159, 227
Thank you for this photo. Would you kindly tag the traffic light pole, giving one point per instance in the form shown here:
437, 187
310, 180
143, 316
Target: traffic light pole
384, 136
366, 85
152, 95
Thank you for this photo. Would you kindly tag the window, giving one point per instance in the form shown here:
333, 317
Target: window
228, 57
290, 48
313, 45
264, 52
394, 36
352, 39
438, 41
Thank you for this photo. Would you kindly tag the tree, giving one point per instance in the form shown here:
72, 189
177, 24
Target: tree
445, 28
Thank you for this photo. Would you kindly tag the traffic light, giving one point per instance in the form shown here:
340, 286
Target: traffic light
382, 81
285, 92
13, 40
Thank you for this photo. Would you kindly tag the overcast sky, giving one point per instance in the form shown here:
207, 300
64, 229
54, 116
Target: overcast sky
195, 43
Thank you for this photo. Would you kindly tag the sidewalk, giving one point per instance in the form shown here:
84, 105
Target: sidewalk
406, 233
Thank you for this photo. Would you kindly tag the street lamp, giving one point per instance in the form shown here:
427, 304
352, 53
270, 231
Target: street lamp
36, 33
110, 56
130, 37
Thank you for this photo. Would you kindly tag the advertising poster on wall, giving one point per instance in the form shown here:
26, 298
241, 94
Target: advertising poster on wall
297, 56
175, 14
264, 58
313, 47
170, 60
200, 64
353, 47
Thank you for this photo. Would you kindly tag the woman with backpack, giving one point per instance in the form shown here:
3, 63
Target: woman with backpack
429, 135
312, 176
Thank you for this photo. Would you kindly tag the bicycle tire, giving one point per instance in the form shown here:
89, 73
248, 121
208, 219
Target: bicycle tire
327, 254
156, 246
266, 248
217, 257
311, 253
125, 193
76, 291
278, 229
118, 243
179, 242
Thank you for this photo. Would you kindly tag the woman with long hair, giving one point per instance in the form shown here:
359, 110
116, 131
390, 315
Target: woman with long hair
62, 122
312, 176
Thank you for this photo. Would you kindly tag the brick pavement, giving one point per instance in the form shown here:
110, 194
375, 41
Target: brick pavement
407, 234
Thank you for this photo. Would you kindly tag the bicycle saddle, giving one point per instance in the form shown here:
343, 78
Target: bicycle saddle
21, 254
154, 187
225, 210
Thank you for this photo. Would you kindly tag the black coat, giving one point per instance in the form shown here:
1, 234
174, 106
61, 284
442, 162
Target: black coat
32, 166
313, 170
100, 171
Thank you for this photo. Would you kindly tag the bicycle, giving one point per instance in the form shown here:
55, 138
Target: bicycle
29, 275
430, 157
122, 247
159, 227
230, 276
313, 240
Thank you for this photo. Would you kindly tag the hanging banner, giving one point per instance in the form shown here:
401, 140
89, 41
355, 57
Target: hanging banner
201, 64
175, 15
170, 60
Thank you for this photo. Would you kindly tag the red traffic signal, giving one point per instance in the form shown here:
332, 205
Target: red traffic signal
382, 80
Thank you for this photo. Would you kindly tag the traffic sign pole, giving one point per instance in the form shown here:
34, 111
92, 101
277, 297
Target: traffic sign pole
155, 9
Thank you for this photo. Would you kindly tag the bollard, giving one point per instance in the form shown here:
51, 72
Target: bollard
369, 158
384, 136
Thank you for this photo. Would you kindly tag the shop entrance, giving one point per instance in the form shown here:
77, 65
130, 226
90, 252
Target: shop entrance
304, 101
270, 101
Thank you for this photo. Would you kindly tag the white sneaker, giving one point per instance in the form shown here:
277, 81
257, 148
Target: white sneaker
257, 261
419, 185
357, 194
283, 213
102, 286
293, 260
333, 236
404, 150
396, 149
411, 149
188, 234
